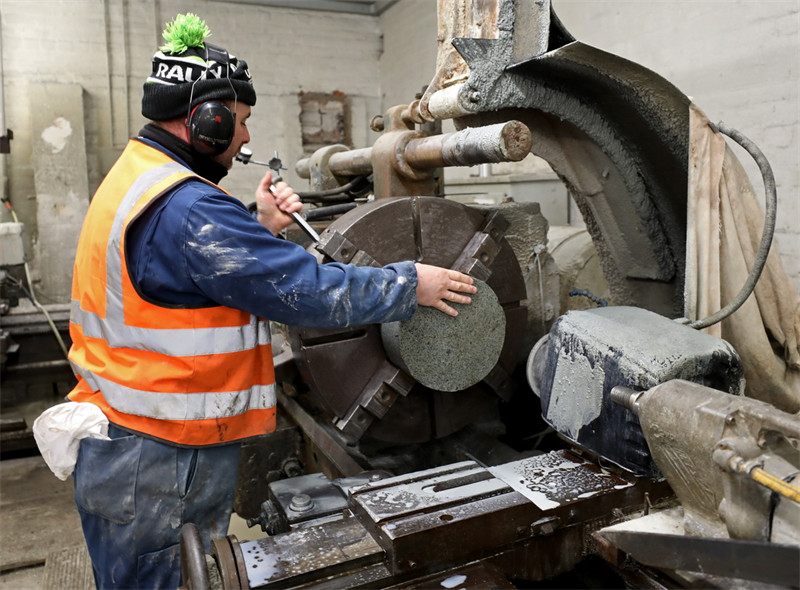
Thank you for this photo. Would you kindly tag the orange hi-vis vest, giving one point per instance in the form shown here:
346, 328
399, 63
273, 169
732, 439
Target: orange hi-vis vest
191, 377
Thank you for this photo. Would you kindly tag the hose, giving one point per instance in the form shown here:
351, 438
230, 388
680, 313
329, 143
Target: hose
329, 211
766, 236
775, 484
323, 195
725, 456
590, 296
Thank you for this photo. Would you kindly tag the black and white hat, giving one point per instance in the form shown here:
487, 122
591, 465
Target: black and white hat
187, 71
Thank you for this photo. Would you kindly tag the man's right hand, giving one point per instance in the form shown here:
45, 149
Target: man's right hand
275, 204
436, 286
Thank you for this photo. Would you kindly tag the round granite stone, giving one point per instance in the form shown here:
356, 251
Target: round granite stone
448, 353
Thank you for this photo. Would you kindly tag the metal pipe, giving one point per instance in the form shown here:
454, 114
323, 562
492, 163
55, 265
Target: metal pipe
350, 163
36, 367
193, 560
332, 192
445, 104
503, 142
626, 397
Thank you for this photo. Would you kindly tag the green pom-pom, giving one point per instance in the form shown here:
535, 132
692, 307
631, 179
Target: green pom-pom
187, 30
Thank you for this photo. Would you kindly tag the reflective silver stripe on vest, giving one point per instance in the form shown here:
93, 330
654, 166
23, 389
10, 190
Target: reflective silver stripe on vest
180, 406
146, 180
177, 342
170, 342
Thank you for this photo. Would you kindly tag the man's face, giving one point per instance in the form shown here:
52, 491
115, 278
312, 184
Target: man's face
241, 135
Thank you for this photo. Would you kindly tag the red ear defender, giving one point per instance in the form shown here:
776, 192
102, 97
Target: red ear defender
211, 127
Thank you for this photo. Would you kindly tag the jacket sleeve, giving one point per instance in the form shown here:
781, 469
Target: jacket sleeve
226, 257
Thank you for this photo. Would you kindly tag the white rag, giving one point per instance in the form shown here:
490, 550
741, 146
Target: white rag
59, 430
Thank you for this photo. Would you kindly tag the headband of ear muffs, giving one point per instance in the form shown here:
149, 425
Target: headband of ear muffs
212, 124
211, 127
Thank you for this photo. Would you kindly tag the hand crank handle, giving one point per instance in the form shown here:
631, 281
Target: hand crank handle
276, 165
245, 157
299, 220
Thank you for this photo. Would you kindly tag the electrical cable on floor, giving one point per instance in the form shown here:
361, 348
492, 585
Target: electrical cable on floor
32, 295
766, 236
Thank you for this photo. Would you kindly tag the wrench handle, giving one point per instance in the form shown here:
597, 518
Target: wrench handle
300, 221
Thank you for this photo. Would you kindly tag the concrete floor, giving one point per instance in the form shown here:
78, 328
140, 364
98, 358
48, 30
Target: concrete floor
41, 542
38, 522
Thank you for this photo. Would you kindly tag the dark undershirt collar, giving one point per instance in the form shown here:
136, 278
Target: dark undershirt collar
199, 164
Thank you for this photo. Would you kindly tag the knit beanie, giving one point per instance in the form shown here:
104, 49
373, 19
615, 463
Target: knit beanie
187, 69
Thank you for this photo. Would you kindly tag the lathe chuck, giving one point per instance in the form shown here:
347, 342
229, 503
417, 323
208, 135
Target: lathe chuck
430, 376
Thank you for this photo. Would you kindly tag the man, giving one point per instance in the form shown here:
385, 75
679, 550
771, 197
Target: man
172, 283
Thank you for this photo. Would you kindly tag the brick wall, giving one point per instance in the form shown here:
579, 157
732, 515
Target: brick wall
105, 47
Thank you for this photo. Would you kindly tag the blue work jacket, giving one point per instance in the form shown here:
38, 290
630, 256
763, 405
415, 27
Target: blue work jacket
198, 247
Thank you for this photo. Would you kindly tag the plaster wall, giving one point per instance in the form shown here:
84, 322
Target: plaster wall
408, 61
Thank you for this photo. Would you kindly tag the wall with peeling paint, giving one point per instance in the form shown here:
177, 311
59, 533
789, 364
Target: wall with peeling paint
61, 182
104, 49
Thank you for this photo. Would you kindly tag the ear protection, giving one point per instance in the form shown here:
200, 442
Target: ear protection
211, 127
212, 124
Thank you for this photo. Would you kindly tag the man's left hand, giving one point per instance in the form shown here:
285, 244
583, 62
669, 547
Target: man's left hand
437, 286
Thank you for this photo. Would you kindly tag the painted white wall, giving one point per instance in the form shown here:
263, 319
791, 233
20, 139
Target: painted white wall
408, 61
